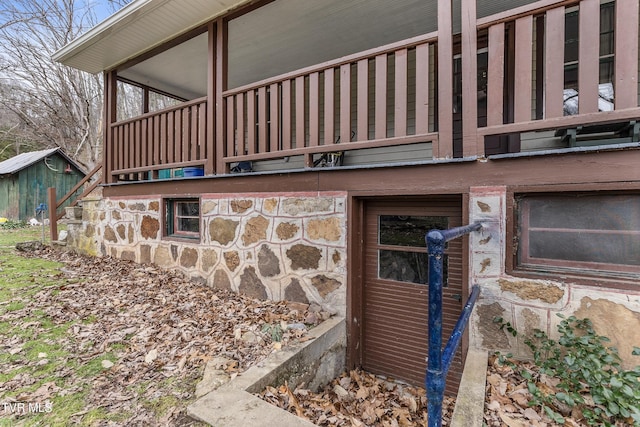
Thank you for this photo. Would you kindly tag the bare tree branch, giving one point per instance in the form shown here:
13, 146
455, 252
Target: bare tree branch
51, 104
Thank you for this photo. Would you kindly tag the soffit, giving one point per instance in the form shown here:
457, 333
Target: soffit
137, 28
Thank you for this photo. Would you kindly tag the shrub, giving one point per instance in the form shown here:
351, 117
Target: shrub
11, 224
588, 372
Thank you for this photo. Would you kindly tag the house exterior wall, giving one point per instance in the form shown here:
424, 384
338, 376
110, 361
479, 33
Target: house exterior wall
530, 304
285, 235
319, 213
279, 246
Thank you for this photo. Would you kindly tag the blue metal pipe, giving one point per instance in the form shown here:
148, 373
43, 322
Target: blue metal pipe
435, 378
458, 330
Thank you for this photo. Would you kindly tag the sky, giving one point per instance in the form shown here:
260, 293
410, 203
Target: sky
102, 8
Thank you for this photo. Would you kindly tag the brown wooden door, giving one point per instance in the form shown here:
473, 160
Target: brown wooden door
395, 289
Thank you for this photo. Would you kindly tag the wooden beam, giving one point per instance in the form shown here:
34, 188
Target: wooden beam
524, 69
589, 56
400, 102
626, 72
495, 76
274, 117
329, 107
300, 112
444, 147
363, 100
345, 103
422, 88
211, 119
469, 80
219, 147
381, 97
286, 115
53, 215
314, 109
554, 63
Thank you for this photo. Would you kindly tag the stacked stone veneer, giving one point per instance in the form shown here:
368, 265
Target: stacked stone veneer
277, 246
533, 304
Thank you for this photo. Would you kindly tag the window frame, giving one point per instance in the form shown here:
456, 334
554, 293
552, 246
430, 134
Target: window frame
171, 218
585, 274
389, 247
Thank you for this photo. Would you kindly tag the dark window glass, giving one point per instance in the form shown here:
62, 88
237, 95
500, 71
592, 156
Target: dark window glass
412, 267
183, 218
399, 230
403, 253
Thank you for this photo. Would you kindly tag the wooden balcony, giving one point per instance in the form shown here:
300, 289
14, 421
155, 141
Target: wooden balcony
167, 139
554, 115
397, 95
373, 99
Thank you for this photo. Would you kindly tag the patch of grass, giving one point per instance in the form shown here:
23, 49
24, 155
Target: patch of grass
89, 320
94, 366
162, 404
63, 409
36, 335
13, 306
9, 237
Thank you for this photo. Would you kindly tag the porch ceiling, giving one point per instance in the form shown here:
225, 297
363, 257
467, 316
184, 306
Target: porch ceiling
136, 28
282, 36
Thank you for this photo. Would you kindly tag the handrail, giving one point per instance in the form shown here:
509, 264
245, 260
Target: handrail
436, 372
414, 41
54, 204
86, 178
176, 107
534, 8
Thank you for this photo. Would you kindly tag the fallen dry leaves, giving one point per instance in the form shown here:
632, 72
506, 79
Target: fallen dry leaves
157, 328
358, 399
507, 399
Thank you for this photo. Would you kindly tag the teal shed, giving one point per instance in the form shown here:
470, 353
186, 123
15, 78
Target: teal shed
24, 180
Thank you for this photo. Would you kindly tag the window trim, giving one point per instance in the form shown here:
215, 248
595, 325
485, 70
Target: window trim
607, 279
171, 216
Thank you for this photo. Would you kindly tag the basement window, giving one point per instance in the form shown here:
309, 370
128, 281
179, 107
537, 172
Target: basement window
183, 218
584, 234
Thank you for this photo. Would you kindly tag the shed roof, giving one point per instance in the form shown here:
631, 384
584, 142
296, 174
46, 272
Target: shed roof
24, 160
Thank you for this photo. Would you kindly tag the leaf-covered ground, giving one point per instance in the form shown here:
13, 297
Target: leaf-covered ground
359, 399
98, 341
105, 342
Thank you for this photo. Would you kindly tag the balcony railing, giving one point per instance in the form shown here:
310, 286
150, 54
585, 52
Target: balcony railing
395, 95
554, 115
171, 138
372, 99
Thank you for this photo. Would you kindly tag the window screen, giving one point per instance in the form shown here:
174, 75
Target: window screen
584, 232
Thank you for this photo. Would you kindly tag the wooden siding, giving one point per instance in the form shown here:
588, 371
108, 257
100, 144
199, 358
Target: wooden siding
391, 96
23, 191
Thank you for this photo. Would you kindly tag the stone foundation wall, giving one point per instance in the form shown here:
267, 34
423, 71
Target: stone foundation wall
277, 246
533, 304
